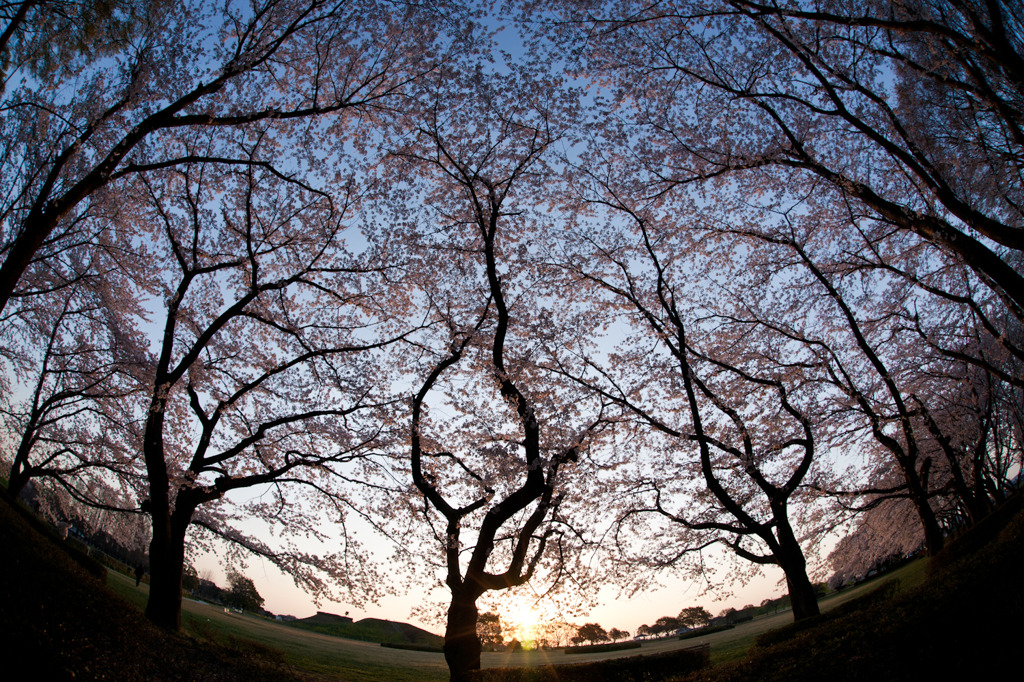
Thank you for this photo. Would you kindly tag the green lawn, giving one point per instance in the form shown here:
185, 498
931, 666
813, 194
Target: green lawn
309, 651
356, 660
54, 613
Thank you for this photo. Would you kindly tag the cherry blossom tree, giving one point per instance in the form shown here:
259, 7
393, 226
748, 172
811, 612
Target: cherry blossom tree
158, 74
150, 113
971, 417
884, 530
889, 413
107, 515
266, 358
910, 110
41, 36
727, 414
896, 129
806, 233
496, 442
904, 338
76, 350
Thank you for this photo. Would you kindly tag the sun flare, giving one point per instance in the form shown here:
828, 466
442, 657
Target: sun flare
524, 621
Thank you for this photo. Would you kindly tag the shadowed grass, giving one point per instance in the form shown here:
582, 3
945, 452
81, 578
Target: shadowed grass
312, 652
940, 619
959, 623
64, 623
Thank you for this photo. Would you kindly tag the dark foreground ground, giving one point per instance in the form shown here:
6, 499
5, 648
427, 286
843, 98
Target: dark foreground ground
58, 621
965, 623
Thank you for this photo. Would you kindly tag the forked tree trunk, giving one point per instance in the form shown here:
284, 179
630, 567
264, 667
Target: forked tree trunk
461, 642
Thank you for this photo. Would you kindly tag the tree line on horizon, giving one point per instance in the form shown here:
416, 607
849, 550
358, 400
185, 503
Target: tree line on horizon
241, 592
671, 278
498, 635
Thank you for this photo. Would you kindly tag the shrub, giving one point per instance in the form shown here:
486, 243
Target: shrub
632, 669
413, 647
601, 648
721, 627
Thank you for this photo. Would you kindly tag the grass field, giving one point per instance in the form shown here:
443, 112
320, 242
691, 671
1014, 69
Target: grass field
346, 659
953, 617
358, 661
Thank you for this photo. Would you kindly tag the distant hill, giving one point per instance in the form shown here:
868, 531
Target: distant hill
368, 630
324, 618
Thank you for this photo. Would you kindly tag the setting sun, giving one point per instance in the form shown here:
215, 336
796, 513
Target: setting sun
524, 621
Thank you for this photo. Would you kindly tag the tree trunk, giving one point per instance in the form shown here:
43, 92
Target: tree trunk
933, 539
17, 478
917, 491
166, 568
20, 472
36, 230
790, 558
461, 643
801, 591
801, 595
166, 552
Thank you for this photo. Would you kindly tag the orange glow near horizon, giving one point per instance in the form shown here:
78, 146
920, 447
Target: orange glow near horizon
523, 623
